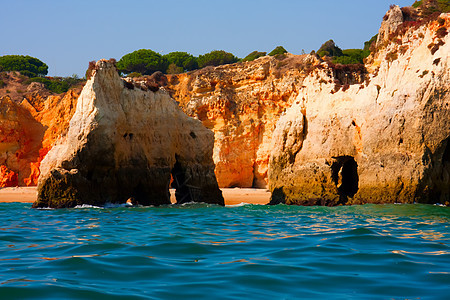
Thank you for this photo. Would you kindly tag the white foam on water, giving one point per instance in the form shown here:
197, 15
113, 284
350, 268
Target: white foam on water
238, 205
87, 206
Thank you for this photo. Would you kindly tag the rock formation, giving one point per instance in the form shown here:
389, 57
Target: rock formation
381, 139
126, 141
241, 103
20, 140
391, 20
30, 122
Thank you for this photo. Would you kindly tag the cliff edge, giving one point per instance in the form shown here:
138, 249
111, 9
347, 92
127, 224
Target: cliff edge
383, 139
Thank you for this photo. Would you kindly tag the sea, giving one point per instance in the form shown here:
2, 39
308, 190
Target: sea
200, 251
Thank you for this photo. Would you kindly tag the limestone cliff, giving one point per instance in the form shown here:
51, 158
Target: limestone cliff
125, 142
28, 130
241, 103
384, 140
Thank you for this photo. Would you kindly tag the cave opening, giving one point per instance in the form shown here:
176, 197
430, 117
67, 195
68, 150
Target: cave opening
345, 176
139, 195
180, 183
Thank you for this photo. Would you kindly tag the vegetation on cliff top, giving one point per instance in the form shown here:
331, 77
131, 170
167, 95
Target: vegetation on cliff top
143, 61
277, 51
432, 6
57, 85
254, 55
34, 70
180, 62
146, 62
344, 57
26, 65
216, 58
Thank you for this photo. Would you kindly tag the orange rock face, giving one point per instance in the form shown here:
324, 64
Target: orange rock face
54, 113
28, 131
7, 177
241, 103
20, 138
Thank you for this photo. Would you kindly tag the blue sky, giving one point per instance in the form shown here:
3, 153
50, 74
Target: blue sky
66, 35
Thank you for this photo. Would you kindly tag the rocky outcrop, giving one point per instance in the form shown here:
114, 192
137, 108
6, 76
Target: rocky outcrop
241, 104
127, 142
28, 130
382, 140
391, 21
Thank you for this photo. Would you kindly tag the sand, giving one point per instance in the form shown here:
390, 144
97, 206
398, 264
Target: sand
18, 194
232, 196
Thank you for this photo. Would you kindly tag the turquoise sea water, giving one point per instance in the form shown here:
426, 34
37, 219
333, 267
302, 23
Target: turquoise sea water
209, 252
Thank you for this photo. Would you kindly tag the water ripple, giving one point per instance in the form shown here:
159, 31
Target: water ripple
204, 251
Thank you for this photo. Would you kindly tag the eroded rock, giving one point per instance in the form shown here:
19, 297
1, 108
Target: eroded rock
20, 141
391, 21
241, 103
126, 143
384, 141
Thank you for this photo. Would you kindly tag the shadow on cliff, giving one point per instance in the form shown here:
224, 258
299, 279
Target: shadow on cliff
435, 184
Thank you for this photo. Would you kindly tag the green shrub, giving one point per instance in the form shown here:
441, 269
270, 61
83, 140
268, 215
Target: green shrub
57, 85
351, 56
254, 55
183, 60
143, 61
27, 65
27, 73
2, 84
347, 56
329, 48
216, 58
345, 60
278, 50
174, 69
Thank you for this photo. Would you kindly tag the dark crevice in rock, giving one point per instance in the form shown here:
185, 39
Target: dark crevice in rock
344, 173
278, 197
128, 85
254, 180
305, 126
180, 183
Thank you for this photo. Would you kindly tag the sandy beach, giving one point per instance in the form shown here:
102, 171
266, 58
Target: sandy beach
232, 196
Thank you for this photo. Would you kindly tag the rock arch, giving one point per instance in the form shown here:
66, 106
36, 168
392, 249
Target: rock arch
125, 143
